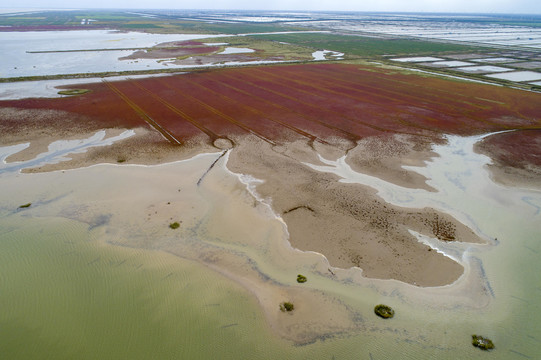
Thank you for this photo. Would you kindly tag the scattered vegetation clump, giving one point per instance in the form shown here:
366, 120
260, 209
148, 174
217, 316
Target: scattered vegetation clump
482, 342
25, 206
174, 225
120, 161
384, 311
301, 278
73, 92
286, 306
443, 229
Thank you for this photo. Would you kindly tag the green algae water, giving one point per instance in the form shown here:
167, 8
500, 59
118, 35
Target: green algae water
65, 296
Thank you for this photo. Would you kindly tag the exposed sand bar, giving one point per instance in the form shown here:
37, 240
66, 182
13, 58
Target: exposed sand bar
349, 223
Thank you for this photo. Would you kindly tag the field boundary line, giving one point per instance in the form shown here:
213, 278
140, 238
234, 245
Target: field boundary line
222, 115
260, 113
165, 133
177, 111
306, 117
395, 100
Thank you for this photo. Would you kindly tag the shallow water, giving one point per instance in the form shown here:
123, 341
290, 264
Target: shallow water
236, 50
40, 53
50, 88
418, 59
518, 76
320, 55
58, 151
19, 57
94, 252
65, 295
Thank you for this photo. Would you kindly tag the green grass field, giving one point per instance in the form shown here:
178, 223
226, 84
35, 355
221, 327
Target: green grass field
366, 46
266, 48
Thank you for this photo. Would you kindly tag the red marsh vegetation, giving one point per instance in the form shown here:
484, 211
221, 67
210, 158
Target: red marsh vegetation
517, 148
321, 102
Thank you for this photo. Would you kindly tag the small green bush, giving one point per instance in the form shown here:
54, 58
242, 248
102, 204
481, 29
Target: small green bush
174, 225
482, 342
287, 306
384, 311
301, 279
25, 206
73, 92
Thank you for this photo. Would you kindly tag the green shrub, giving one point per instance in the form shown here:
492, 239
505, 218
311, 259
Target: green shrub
384, 311
73, 92
301, 278
25, 206
287, 306
174, 225
482, 342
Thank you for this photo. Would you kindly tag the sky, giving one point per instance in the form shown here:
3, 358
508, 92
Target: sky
461, 6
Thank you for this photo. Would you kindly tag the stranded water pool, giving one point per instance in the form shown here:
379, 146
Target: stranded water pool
92, 270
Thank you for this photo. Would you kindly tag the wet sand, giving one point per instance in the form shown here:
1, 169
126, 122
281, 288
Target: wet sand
349, 223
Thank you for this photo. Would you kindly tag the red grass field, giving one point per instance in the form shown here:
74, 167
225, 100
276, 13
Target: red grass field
517, 148
320, 102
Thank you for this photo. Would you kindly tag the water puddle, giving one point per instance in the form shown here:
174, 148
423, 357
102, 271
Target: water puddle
236, 50
326, 55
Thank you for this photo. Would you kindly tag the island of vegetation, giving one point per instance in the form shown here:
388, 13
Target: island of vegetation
482, 342
287, 306
384, 311
73, 92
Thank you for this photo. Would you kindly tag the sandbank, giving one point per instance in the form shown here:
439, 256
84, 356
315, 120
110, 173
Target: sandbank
349, 223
